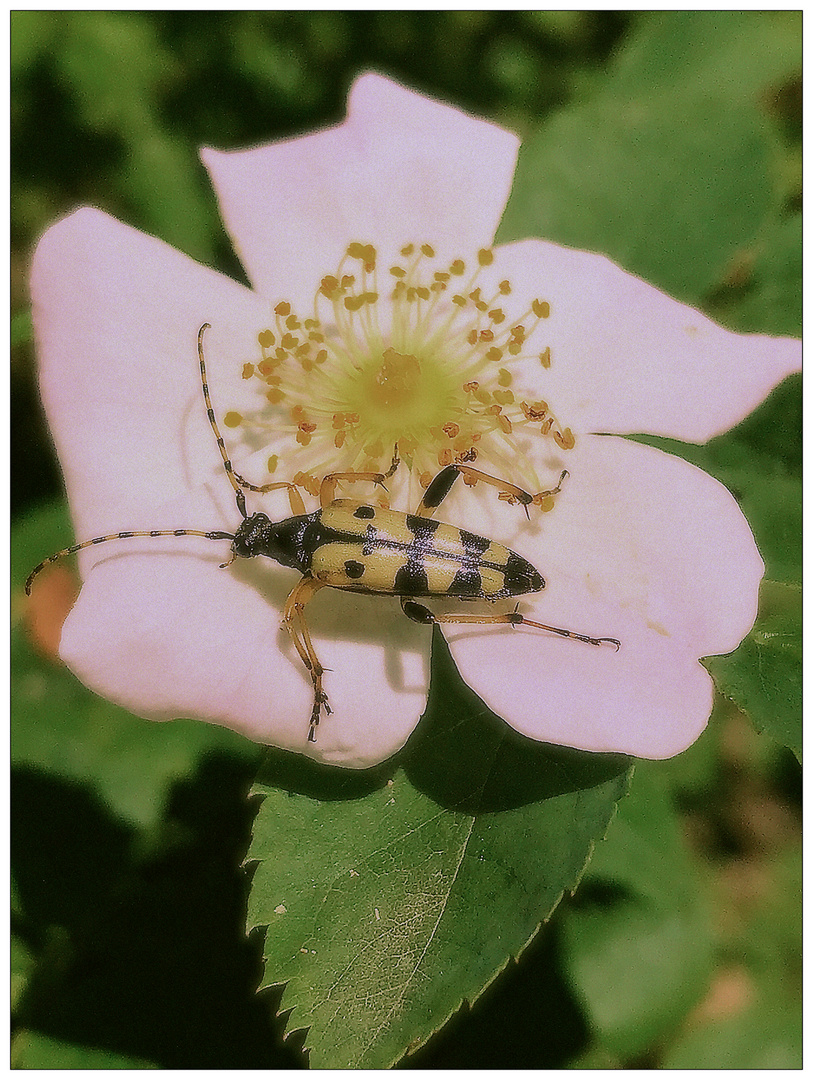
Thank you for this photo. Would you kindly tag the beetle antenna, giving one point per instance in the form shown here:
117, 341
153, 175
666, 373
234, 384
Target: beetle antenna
239, 493
120, 536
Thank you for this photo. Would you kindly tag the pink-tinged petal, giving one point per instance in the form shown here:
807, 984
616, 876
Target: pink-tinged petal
626, 358
167, 634
116, 315
401, 168
649, 700
642, 547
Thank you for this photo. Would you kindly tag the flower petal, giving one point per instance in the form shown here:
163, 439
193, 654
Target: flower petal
170, 635
642, 547
649, 700
117, 315
401, 168
626, 358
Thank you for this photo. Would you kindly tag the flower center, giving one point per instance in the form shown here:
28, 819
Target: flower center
396, 384
424, 362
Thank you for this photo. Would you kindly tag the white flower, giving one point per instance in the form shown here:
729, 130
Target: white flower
639, 546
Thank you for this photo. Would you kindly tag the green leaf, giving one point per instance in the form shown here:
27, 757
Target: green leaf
670, 190
766, 1036
22, 964
60, 727
32, 34
33, 1050
756, 1018
765, 295
764, 676
637, 939
392, 895
734, 56
116, 67
22, 328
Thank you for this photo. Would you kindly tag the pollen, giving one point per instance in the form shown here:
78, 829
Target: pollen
420, 353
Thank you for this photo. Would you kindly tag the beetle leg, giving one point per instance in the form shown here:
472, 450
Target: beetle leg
294, 498
440, 487
327, 491
294, 622
420, 614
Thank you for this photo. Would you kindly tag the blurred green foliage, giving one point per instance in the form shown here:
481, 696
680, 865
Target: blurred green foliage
681, 949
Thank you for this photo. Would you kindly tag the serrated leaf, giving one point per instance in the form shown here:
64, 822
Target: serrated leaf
671, 190
637, 940
391, 896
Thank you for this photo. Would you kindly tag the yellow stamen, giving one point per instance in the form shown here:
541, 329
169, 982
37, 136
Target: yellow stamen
417, 365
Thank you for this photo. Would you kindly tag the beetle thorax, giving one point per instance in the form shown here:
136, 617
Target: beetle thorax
284, 541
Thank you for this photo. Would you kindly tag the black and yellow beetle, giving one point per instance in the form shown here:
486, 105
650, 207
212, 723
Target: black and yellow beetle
351, 545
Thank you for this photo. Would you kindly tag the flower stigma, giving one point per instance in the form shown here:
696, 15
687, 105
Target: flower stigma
418, 357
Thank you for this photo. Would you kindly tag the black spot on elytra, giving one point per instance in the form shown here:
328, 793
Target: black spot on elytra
353, 569
364, 512
421, 526
474, 544
411, 580
466, 582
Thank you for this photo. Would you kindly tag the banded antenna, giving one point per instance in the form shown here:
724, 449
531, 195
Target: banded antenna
234, 479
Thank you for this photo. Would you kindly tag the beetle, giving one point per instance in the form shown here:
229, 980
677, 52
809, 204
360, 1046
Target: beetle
351, 545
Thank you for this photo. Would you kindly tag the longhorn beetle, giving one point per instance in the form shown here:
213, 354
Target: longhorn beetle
351, 545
